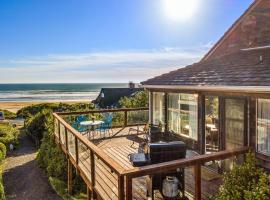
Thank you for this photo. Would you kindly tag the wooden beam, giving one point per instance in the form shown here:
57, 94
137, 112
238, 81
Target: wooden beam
173, 165
197, 176
121, 187
66, 138
76, 151
128, 188
69, 177
92, 163
58, 128
201, 123
126, 118
89, 194
101, 111
166, 112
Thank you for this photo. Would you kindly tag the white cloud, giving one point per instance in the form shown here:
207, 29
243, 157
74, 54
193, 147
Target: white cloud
120, 66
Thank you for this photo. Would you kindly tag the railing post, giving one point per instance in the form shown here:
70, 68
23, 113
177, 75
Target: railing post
69, 185
197, 175
66, 138
121, 187
59, 124
93, 178
126, 118
89, 195
76, 150
128, 188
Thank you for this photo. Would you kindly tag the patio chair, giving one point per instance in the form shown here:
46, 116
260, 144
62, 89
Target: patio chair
144, 133
78, 127
145, 130
81, 118
106, 126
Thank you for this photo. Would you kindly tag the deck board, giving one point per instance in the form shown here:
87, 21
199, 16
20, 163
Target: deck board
118, 148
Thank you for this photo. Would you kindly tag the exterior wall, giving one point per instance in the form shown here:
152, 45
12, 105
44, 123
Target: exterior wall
251, 120
253, 31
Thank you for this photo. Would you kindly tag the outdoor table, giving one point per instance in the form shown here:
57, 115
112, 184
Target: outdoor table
91, 126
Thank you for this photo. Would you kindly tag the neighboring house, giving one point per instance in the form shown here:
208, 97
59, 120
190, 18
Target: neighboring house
109, 97
222, 102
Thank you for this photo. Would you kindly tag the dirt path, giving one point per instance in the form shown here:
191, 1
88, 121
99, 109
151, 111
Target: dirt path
23, 179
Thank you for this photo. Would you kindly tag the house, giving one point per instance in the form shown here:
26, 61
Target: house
223, 101
109, 97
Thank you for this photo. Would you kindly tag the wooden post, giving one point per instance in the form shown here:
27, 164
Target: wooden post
69, 177
93, 178
121, 188
197, 175
166, 112
66, 138
126, 119
201, 124
89, 194
59, 131
76, 150
128, 188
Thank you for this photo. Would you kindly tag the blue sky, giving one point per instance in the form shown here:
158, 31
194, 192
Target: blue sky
105, 40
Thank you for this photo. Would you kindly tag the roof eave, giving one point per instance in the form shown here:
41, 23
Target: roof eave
253, 89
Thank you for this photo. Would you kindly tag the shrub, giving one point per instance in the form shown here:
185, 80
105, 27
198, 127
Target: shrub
51, 158
140, 99
37, 125
8, 134
2, 192
3, 151
30, 111
246, 181
8, 114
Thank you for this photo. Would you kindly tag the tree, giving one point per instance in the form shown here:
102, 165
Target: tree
140, 99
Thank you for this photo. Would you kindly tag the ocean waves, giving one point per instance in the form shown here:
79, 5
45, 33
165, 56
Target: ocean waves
25, 96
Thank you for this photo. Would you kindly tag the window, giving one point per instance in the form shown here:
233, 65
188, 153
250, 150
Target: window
211, 124
183, 114
263, 126
158, 108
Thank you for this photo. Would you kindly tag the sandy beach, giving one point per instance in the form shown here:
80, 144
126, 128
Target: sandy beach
15, 106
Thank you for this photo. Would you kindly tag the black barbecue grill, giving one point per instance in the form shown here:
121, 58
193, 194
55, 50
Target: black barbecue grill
158, 153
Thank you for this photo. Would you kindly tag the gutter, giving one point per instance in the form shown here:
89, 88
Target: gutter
254, 89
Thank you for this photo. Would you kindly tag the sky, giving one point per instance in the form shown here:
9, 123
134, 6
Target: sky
76, 41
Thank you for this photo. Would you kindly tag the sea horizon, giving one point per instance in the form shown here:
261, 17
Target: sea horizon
52, 92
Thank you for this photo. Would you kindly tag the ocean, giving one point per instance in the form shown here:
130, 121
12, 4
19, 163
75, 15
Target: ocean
53, 92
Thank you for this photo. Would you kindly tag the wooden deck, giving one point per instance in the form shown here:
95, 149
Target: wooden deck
120, 145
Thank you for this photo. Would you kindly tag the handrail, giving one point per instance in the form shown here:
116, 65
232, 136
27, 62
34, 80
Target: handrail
98, 152
171, 165
125, 176
102, 111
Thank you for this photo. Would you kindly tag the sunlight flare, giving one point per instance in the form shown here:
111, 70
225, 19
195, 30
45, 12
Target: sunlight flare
180, 10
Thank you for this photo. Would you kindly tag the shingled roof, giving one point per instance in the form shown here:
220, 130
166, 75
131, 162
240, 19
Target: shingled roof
244, 68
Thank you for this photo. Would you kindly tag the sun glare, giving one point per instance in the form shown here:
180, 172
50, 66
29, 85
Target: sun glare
180, 10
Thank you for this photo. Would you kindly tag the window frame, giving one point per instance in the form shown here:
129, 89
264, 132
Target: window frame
256, 126
196, 95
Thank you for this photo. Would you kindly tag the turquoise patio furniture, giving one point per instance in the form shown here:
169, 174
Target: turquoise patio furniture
77, 126
106, 126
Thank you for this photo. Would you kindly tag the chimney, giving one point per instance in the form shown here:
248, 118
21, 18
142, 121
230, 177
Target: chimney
131, 84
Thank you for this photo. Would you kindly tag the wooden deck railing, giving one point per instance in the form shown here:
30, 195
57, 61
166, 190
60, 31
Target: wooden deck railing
104, 177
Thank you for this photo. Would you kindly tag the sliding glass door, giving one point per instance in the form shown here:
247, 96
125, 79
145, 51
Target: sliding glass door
234, 123
234, 127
